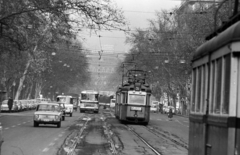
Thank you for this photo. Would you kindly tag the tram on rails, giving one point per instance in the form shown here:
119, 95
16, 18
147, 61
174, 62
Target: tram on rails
133, 99
215, 101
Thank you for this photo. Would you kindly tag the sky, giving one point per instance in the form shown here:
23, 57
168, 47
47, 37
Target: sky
137, 13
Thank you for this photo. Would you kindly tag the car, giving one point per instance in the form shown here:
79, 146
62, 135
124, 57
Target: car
154, 108
63, 109
68, 109
112, 103
4, 106
47, 113
165, 109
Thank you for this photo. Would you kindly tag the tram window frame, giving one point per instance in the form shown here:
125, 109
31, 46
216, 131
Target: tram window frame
218, 86
226, 85
204, 87
194, 75
198, 89
212, 86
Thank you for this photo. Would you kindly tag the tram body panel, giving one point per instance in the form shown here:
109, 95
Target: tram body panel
215, 107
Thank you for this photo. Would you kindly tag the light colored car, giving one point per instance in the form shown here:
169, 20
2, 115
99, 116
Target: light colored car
165, 109
4, 106
69, 109
154, 108
47, 113
112, 103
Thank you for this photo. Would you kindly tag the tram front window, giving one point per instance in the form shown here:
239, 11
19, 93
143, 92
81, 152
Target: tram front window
136, 99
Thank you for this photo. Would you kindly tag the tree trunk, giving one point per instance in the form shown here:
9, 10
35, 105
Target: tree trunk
30, 91
22, 80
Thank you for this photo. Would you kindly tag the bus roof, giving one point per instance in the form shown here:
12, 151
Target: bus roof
232, 34
89, 92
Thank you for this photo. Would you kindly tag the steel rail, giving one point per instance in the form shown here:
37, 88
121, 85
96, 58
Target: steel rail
144, 141
181, 144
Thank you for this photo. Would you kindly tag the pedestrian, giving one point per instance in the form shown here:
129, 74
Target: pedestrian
170, 114
10, 104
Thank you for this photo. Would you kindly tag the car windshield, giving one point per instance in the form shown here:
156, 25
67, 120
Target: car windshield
91, 97
45, 107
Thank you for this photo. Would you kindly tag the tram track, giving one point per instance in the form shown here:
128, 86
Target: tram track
167, 136
143, 140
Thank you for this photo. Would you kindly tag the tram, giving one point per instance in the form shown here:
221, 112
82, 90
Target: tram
89, 101
133, 99
215, 99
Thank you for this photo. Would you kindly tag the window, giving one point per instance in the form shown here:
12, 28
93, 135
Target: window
226, 86
199, 91
137, 99
212, 83
194, 89
218, 86
204, 86
91, 97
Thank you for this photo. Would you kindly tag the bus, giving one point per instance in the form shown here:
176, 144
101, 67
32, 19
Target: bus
68, 101
215, 99
89, 101
133, 99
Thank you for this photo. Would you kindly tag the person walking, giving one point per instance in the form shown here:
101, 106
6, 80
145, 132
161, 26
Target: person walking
10, 104
170, 114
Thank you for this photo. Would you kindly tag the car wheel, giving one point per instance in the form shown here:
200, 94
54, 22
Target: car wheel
35, 124
63, 118
59, 124
70, 114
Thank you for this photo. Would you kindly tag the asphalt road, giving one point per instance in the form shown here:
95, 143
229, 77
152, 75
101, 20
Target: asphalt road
102, 134
21, 138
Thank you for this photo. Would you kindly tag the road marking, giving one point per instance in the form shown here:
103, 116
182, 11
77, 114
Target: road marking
185, 121
180, 123
63, 132
60, 135
159, 119
51, 144
13, 126
6, 128
19, 124
24, 122
45, 150
55, 139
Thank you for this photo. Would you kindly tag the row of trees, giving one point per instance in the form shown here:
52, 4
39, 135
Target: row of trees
166, 47
39, 50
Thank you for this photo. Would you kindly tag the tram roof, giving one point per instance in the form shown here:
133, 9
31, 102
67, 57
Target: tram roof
232, 34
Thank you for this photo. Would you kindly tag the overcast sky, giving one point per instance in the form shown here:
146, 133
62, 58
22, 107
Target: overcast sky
137, 13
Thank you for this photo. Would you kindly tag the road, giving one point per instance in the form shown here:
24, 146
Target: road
94, 134
21, 138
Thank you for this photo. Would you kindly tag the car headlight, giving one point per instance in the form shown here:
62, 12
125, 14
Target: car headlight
36, 117
57, 117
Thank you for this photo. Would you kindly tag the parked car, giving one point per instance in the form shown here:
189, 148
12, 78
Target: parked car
4, 106
47, 113
154, 108
165, 109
